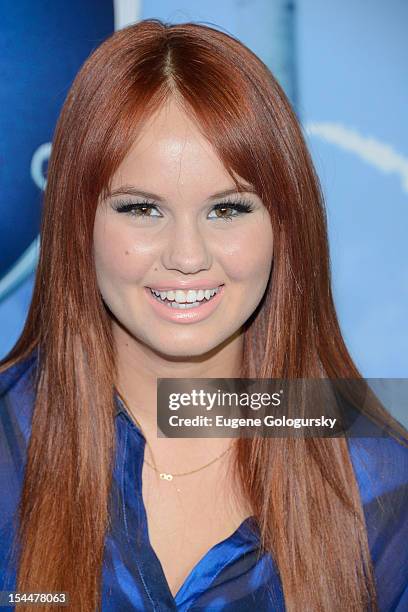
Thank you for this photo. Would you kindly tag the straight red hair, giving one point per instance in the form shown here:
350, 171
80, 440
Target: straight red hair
302, 491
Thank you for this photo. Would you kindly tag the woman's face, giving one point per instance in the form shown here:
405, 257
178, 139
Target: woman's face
180, 240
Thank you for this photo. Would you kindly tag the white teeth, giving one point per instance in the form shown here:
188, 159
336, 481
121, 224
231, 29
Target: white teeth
185, 297
180, 296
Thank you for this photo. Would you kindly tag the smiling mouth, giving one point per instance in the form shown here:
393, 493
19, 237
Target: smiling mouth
172, 303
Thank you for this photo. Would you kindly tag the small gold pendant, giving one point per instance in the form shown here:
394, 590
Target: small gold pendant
165, 476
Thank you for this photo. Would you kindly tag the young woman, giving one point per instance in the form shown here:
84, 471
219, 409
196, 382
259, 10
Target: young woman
179, 175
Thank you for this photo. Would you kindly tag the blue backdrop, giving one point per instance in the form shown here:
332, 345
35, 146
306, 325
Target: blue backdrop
343, 66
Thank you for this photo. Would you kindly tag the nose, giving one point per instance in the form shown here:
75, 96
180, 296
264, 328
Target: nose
187, 249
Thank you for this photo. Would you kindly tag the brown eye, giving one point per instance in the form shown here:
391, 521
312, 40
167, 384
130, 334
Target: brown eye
142, 210
136, 209
223, 209
236, 210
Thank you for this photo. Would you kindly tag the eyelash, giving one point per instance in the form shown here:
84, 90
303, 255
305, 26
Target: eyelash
129, 208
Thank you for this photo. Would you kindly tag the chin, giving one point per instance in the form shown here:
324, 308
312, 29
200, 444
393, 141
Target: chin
184, 349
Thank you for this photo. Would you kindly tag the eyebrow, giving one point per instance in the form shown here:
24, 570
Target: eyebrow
131, 190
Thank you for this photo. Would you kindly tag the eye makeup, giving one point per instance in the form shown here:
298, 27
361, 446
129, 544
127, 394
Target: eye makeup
239, 206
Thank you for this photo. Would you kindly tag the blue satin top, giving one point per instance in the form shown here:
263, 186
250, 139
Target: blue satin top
232, 576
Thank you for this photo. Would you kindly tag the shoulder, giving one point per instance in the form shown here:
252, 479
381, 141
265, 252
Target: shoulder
17, 395
11, 375
381, 467
380, 463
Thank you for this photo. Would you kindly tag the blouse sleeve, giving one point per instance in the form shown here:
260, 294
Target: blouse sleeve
381, 467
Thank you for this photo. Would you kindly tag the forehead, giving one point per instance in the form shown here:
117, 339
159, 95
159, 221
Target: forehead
172, 157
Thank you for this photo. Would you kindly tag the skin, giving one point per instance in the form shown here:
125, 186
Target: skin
171, 158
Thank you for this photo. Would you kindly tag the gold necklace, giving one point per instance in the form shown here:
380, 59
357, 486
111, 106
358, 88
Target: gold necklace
167, 475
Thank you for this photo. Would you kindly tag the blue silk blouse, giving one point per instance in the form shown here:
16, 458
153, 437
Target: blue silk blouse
232, 576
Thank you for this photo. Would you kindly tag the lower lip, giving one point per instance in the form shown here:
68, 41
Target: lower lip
185, 315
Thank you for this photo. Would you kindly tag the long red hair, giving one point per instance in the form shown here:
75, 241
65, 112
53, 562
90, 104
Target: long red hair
302, 491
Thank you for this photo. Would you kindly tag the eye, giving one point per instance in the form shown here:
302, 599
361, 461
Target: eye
136, 209
237, 208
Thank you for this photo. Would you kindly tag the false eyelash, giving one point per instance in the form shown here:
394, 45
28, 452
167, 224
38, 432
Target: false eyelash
240, 206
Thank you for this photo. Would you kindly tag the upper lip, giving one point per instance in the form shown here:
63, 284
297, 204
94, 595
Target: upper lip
185, 285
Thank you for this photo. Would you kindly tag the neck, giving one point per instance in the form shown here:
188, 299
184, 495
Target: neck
139, 366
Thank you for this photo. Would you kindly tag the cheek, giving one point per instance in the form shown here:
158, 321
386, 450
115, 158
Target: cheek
115, 258
248, 255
